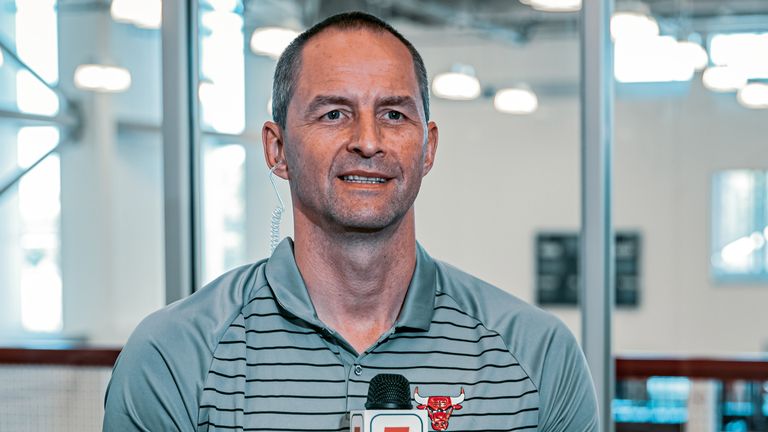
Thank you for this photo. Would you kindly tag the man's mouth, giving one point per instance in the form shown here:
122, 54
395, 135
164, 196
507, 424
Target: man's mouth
363, 179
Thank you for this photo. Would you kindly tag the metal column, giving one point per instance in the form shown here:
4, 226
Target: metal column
181, 144
596, 272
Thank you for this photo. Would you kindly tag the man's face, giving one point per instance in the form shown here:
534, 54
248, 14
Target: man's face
356, 142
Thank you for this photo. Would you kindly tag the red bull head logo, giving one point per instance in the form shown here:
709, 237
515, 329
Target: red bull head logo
439, 408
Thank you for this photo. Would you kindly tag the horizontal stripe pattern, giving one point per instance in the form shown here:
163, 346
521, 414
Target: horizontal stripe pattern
273, 372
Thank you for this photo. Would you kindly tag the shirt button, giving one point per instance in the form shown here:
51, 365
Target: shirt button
358, 370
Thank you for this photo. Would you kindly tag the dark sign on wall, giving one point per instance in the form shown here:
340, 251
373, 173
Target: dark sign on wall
557, 268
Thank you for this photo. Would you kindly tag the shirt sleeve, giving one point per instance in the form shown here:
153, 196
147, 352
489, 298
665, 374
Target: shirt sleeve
568, 401
159, 377
143, 393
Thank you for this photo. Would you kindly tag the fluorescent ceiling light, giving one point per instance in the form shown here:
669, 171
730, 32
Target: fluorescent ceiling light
723, 78
141, 13
633, 25
2, 59
655, 59
271, 41
755, 96
555, 5
461, 84
694, 54
102, 78
746, 51
515, 101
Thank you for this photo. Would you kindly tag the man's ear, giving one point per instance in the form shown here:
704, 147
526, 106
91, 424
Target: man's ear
430, 148
274, 150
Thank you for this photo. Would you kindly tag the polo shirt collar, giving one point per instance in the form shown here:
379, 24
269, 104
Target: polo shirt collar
291, 293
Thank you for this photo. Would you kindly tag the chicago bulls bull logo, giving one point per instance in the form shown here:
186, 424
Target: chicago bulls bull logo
439, 408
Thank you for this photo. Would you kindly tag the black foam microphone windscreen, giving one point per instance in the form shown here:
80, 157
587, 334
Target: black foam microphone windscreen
389, 391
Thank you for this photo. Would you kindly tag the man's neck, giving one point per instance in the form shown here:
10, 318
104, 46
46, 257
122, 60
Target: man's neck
357, 282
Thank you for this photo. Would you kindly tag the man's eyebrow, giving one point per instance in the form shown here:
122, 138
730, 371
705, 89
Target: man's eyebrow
323, 100
406, 101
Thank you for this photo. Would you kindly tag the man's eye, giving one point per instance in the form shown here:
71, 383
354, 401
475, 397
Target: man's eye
333, 115
394, 115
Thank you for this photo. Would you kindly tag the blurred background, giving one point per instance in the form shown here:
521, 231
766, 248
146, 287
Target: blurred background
84, 224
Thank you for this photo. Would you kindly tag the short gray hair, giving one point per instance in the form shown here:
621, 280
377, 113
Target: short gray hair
288, 65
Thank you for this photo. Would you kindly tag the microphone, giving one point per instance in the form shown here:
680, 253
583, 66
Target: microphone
388, 408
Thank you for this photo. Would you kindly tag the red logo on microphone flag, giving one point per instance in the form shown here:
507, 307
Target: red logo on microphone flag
397, 429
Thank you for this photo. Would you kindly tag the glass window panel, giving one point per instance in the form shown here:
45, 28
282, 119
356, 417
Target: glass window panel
690, 167
81, 240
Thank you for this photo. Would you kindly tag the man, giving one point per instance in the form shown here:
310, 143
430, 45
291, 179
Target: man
290, 343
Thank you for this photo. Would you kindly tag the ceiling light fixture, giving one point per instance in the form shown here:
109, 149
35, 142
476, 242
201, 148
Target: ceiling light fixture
554, 5
723, 79
746, 51
694, 54
754, 96
633, 25
459, 84
146, 14
653, 59
272, 41
515, 101
102, 78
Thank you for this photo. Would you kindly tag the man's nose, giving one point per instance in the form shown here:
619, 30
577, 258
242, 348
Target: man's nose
367, 141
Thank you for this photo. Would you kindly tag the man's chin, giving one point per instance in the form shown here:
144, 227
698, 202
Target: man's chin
367, 223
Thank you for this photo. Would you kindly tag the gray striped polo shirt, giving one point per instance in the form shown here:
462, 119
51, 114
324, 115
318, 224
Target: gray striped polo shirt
247, 352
